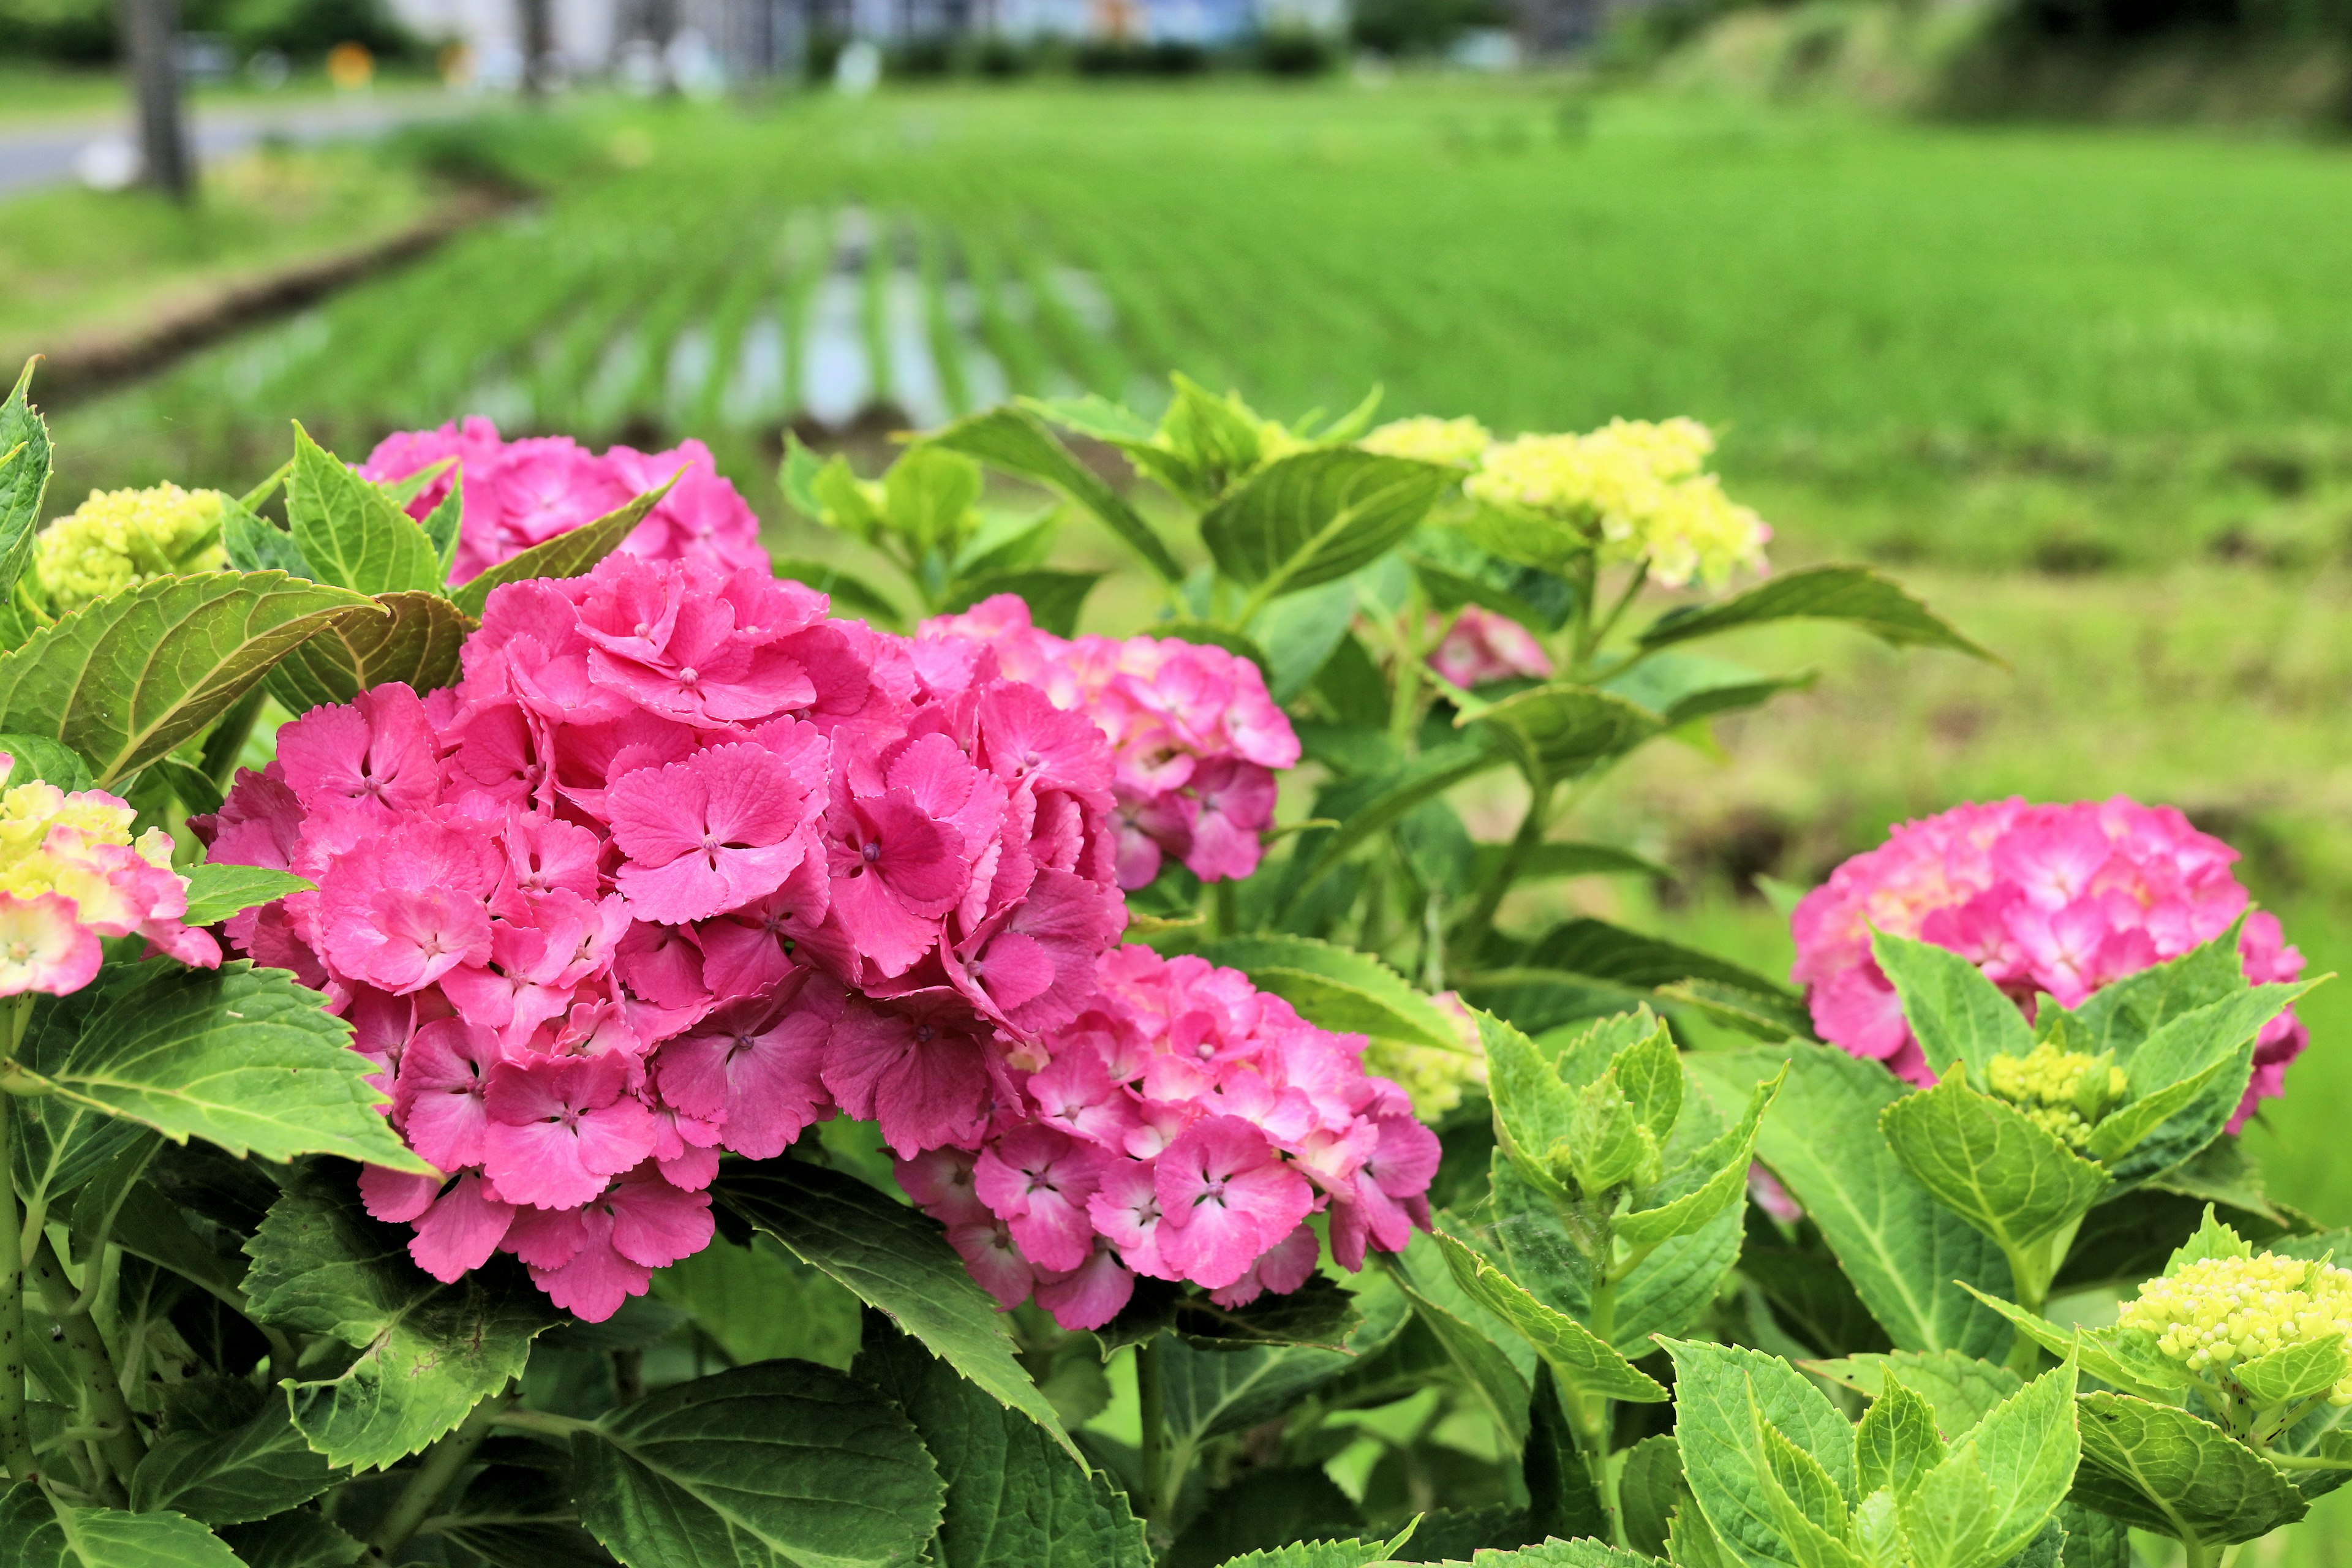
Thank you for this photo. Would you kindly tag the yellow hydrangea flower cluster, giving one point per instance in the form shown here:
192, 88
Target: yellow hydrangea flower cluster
2064, 1093
1636, 486
2218, 1311
36, 859
119, 539
1429, 440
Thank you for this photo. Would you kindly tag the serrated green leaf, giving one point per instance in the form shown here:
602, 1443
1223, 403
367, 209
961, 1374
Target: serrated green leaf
781, 1464
1316, 516
1813, 1513
352, 533
2128, 1126
1852, 593
892, 1258
1339, 988
299, 1539
2119, 1015
1534, 1110
2158, 1467
1475, 1350
217, 890
2293, 1374
1649, 1491
851, 596
254, 543
929, 493
1960, 1389
37, 1531
127, 679
415, 642
760, 1303
571, 553
1324, 1553
1055, 598
1692, 1542
427, 1353
2181, 1046
1902, 1249
1980, 1156
1606, 1144
240, 1056
24, 478
1957, 1015
1578, 1357
1559, 730
1997, 1489
251, 1472
1015, 441
442, 524
191, 787
1649, 1073
1013, 1500
1896, 1442
1719, 1391
2125, 1358
2210, 1239
1724, 1162
51, 761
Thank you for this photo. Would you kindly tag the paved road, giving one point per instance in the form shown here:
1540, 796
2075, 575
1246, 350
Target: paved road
43, 152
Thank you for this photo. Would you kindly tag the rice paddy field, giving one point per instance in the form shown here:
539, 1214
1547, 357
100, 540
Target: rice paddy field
2090, 391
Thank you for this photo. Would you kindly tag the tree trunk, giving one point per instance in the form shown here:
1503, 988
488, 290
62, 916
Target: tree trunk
152, 31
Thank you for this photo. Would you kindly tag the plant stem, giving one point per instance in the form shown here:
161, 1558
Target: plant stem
544, 1423
16, 1437
1151, 1393
1617, 611
103, 1406
433, 1479
1479, 923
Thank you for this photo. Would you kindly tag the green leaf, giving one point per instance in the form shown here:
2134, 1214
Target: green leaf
1534, 1110
1561, 858
299, 1539
256, 544
354, 534
24, 478
217, 890
2182, 1047
1474, 1350
1316, 516
1339, 988
51, 761
1579, 1358
1957, 1015
259, 1467
427, 1353
124, 681
571, 553
1300, 632
1650, 1489
2127, 1358
2002, 1173
1213, 1392
2158, 1467
1562, 1498
1606, 1144
1720, 1392
1902, 1249
929, 493
1448, 589
1814, 1516
415, 642
1013, 1500
1559, 730
190, 785
1379, 805
851, 596
240, 1056
1055, 598
1997, 1489
1692, 1543
2119, 1015
893, 1258
36, 1531
1960, 1389
1015, 441
760, 1303
441, 527
1897, 1443
1327, 1553
2294, 1373
1722, 1166
1854, 594
782, 1465
2212, 1239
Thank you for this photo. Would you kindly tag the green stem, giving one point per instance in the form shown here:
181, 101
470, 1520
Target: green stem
1586, 576
1229, 914
1617, 611
433, 1479
544, 1423
16, 1436
103, 1406
1479, 923
1404, 699
1151, 1394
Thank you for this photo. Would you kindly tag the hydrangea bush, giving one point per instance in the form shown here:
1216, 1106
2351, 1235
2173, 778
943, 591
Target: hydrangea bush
539, 1032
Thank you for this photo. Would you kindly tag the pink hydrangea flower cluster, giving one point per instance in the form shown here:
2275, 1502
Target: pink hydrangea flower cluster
1197, 737
71, 872
2056, 900
1183, 1126
521, 493
681, 864
1481, 647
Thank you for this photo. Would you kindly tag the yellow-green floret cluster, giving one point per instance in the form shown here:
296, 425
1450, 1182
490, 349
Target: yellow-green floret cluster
1429, 440
119, 539
1636, 486
2064, 1093
2218, 1311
